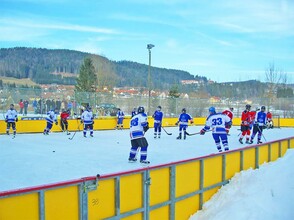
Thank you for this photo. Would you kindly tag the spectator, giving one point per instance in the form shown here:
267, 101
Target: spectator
26, 105
35, 106
21, 106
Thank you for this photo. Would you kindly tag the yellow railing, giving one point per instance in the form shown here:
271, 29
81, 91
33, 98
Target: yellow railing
107, 123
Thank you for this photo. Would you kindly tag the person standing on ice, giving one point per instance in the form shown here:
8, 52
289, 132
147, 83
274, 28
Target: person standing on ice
259, 124
138, 127
183, 121
50, 118
65, 114
158, 115
88, 120
120, 118
246, 119
218, 122
229, 112
10, 119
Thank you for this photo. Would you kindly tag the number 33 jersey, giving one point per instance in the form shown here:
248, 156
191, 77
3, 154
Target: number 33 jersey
217, 122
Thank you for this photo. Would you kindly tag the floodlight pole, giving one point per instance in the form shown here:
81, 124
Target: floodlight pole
149, 47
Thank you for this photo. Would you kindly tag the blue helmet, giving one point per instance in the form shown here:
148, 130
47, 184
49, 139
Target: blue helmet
212, 109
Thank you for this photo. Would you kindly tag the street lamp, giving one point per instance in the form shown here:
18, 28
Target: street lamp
149, 47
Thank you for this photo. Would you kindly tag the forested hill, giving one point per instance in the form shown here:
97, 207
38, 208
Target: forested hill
45, 66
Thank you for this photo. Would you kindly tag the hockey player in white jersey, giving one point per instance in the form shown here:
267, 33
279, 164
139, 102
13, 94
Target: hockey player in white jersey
138, 126
50, 118
88, 120
218, 122
10, 119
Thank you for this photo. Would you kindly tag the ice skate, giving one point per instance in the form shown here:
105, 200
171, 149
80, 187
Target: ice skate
132, 160
144, 161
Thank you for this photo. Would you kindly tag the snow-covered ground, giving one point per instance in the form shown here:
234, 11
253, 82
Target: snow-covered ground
35, 159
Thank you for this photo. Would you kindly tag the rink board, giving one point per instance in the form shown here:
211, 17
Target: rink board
108, 123
169, 191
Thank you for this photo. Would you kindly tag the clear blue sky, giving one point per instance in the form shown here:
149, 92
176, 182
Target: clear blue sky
224, 40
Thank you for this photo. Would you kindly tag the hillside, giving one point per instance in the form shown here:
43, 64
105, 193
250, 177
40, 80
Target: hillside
45, 66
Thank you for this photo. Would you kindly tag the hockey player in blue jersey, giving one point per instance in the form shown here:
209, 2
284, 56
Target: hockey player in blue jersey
50, 118
158, 115
10, 119
138, 127
218, 122
183, 121
258, 125
88, 120
120, 118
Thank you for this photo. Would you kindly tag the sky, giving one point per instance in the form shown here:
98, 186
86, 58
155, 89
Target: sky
224, 40
35, 159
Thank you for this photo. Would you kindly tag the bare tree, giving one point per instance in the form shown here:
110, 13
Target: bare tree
273, 77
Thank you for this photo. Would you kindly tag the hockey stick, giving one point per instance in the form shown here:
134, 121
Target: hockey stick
261, 133
166, 131
191, 134
70, 138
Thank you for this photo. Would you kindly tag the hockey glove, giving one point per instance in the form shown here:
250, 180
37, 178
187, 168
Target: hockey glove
16, 119
56, 123
191, 122
6, 120
177, 123
202, 132
146, 127
82, 121
93, 122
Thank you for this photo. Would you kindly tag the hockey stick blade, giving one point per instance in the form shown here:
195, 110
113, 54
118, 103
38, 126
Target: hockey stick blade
195, 133
166, 131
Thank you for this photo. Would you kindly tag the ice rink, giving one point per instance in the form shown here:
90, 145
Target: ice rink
35, 159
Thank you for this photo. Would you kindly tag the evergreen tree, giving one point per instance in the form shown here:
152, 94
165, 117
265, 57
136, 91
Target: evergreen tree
87, 79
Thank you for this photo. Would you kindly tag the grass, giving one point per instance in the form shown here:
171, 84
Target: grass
12, 80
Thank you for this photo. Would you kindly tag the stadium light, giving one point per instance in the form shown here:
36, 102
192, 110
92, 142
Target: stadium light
149, 47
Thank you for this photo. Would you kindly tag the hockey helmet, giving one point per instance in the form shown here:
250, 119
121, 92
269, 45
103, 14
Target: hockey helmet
263, 108
231, 109
159, 107
184, 110
248, 106
141, 109
11, 106
211, 109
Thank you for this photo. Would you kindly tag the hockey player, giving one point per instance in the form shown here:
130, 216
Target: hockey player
259, 124
252, 116
63, 120
50, 118
88, 120
183, 120
229, 112
218, 122
138, 127
158, 115
246, 120
120, 118
269, 123
10, 119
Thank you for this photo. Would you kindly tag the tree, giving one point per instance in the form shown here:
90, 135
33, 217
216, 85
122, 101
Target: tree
87, 79
273, 77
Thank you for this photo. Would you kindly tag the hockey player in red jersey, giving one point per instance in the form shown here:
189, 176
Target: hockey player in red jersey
63, 120
269, 123
246, 121
229, 112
